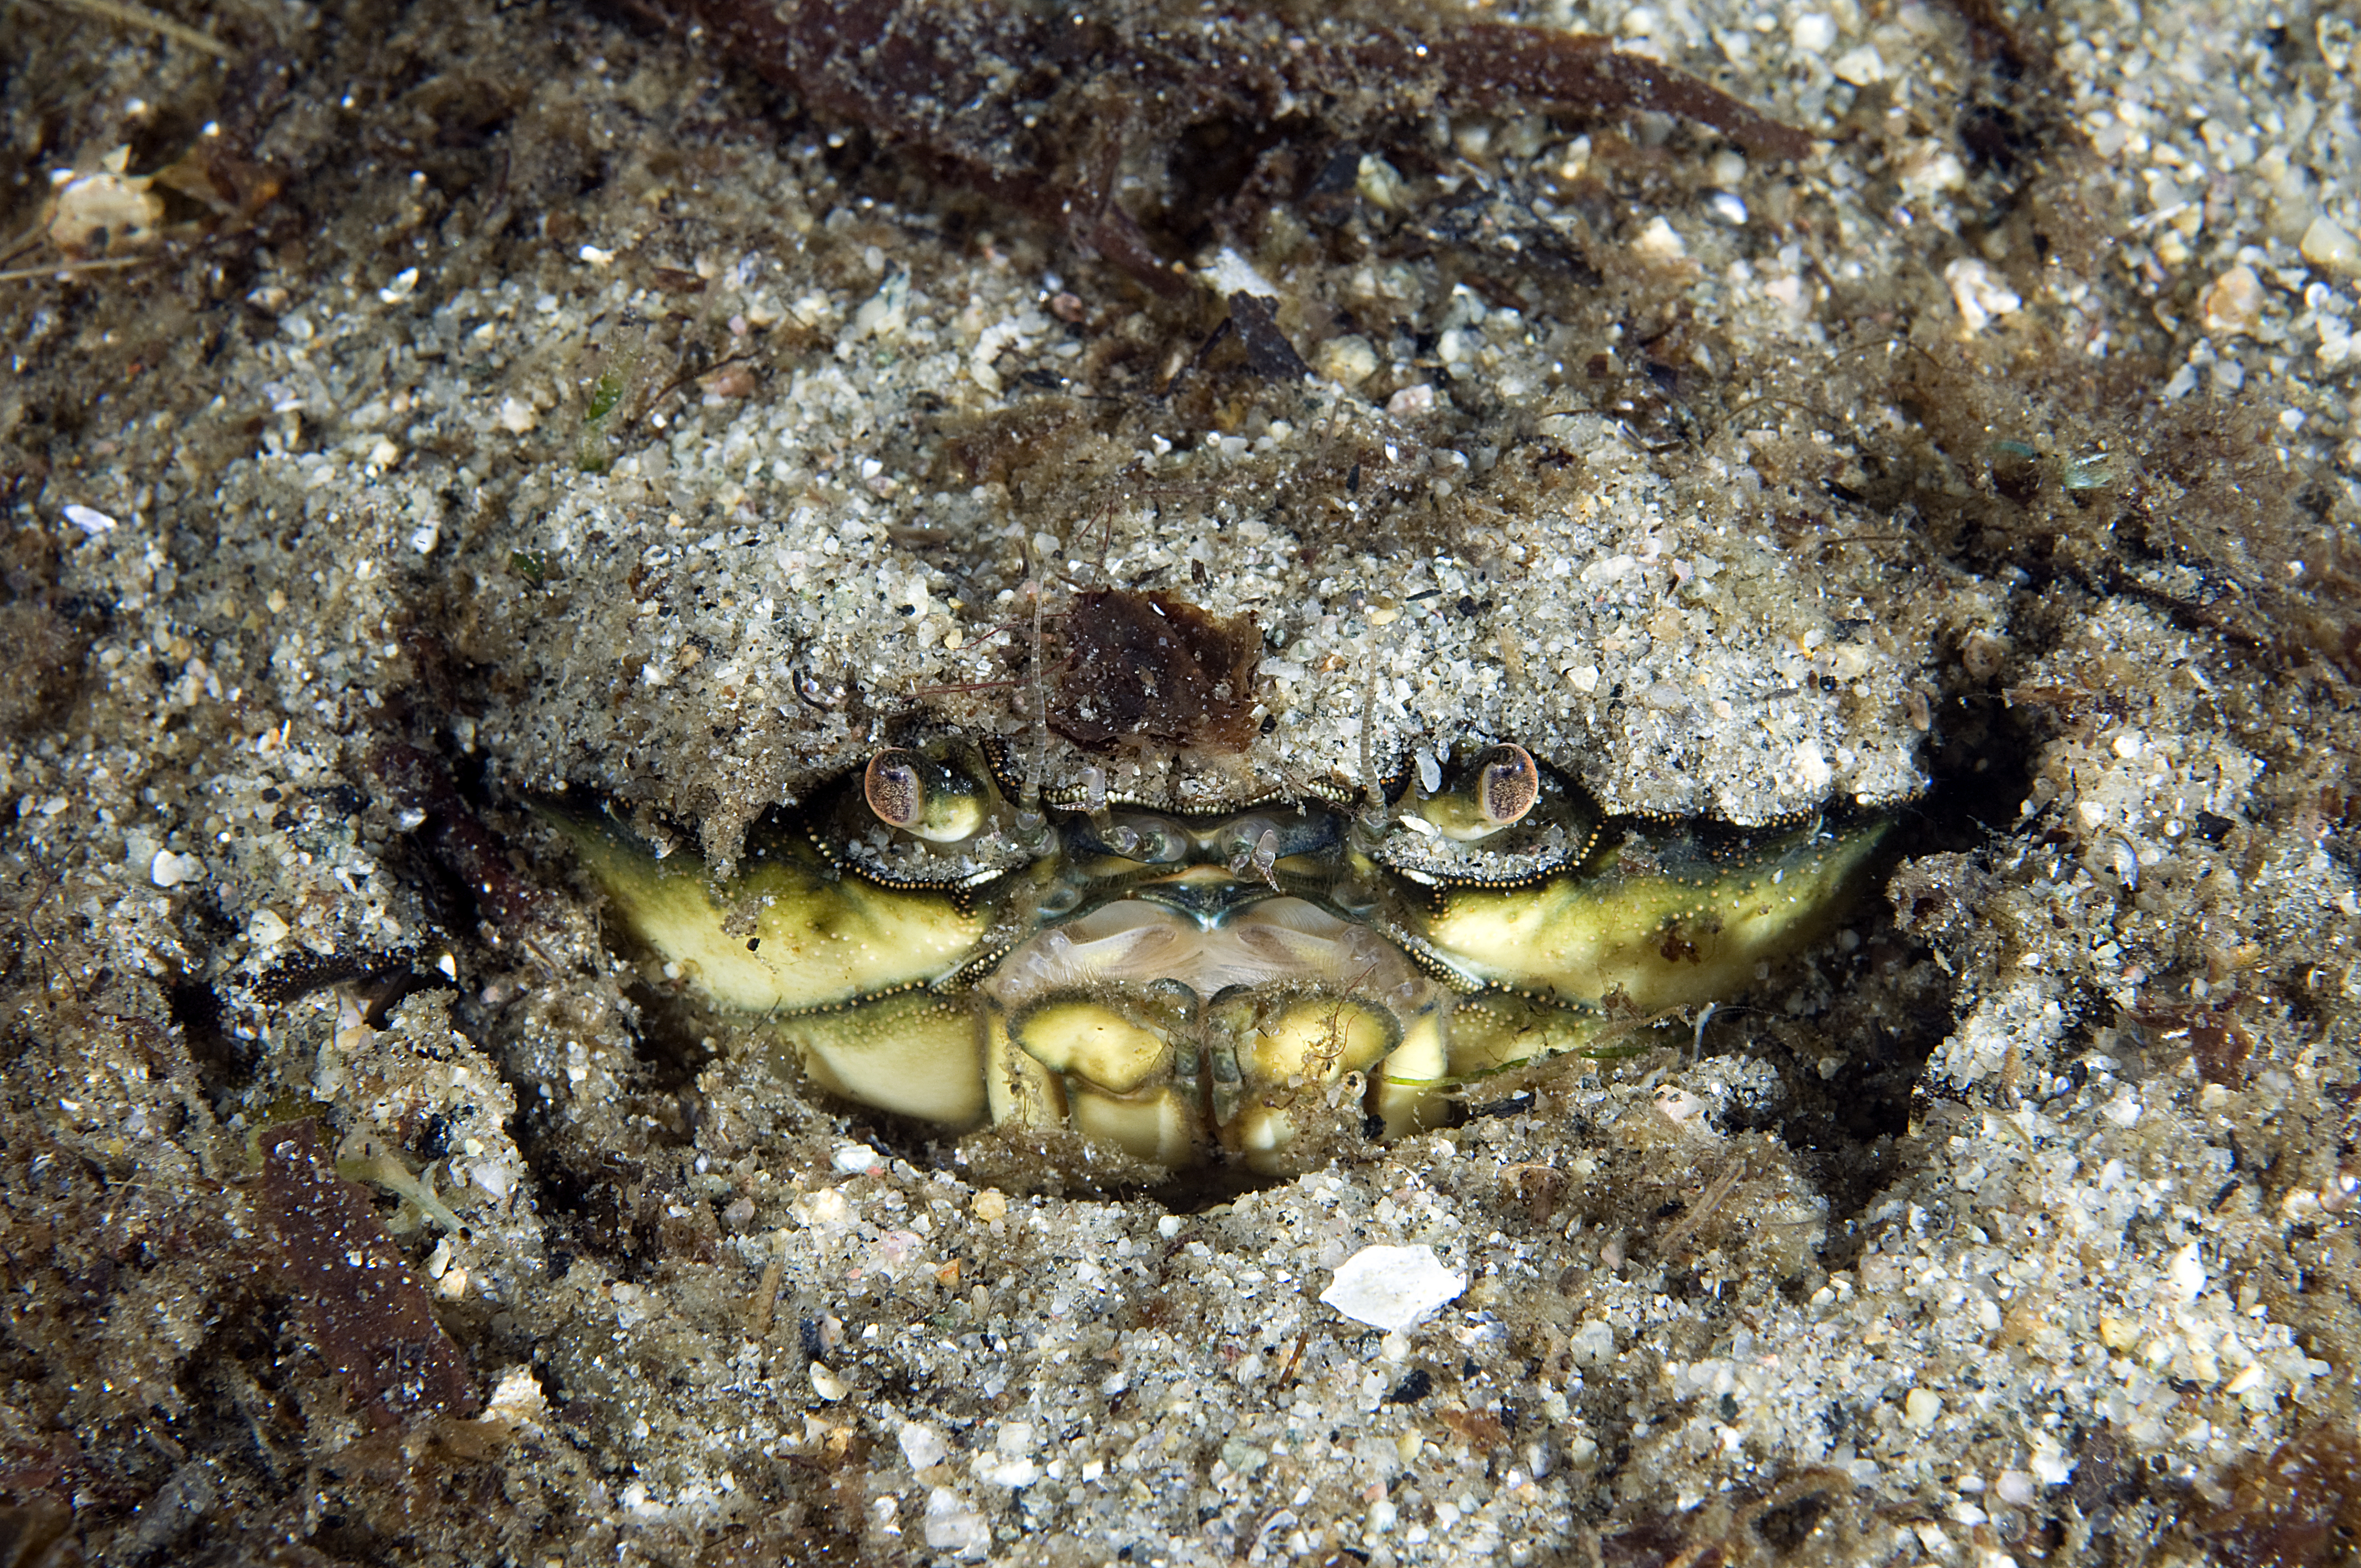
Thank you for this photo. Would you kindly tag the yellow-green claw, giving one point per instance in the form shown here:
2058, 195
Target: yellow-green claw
1498, 1031
788, 932
913, 1053
1657, 920
1187, 988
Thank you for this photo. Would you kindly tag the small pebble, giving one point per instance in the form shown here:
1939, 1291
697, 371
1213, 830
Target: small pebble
1349, 361
951, 1525
2331, 247
169, 870
923, 1446
1981, 296
1659, 241
2233, 304
1860, 67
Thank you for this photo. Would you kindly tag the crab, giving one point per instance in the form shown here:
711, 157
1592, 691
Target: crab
932, 936
1292, 827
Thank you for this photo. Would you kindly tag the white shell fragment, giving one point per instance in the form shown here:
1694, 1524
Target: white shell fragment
517, 1400
102, 212
169, 870
1392, 1288
1232, 274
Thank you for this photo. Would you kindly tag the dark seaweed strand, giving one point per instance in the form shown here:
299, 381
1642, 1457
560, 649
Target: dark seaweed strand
1050, 142
1496, 61
912, 72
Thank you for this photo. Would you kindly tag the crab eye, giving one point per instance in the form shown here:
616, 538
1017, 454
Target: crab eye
1499, 789
1499, 819
1506, 784
916, 819
907, 791
894, 791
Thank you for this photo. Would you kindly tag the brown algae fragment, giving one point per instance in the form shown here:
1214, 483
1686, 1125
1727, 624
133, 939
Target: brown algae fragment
1151, 667
2294, 1506
368, 1315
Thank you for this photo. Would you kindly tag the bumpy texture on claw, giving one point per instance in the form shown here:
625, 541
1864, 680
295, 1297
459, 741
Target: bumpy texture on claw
1668, 918
788, 933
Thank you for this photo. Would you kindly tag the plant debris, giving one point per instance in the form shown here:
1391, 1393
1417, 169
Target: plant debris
1053, 113
369, 1316
1152, 667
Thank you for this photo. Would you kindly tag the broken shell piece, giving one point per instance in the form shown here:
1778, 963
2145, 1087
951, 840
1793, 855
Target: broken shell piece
1393, 1288
104, 213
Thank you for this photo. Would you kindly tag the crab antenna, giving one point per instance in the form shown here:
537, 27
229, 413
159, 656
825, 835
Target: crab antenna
1373, 789
1031, 802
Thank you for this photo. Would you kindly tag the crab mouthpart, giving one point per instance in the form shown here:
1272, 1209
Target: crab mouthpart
1171, 1035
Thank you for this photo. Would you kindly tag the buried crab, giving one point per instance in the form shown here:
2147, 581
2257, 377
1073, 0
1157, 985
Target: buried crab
929, 937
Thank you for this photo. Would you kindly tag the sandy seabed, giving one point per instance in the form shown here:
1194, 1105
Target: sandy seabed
416, 411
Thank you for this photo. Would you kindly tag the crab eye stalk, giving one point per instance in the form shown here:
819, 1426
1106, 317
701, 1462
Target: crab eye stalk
1495, 791
923, 797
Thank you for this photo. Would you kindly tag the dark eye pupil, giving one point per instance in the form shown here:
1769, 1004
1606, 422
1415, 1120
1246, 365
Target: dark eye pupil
1500, 791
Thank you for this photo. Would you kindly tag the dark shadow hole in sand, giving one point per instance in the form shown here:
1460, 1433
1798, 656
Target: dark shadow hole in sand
1889, 1002
225, 1062
1888, 1005
672, 1044
1056, 1163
